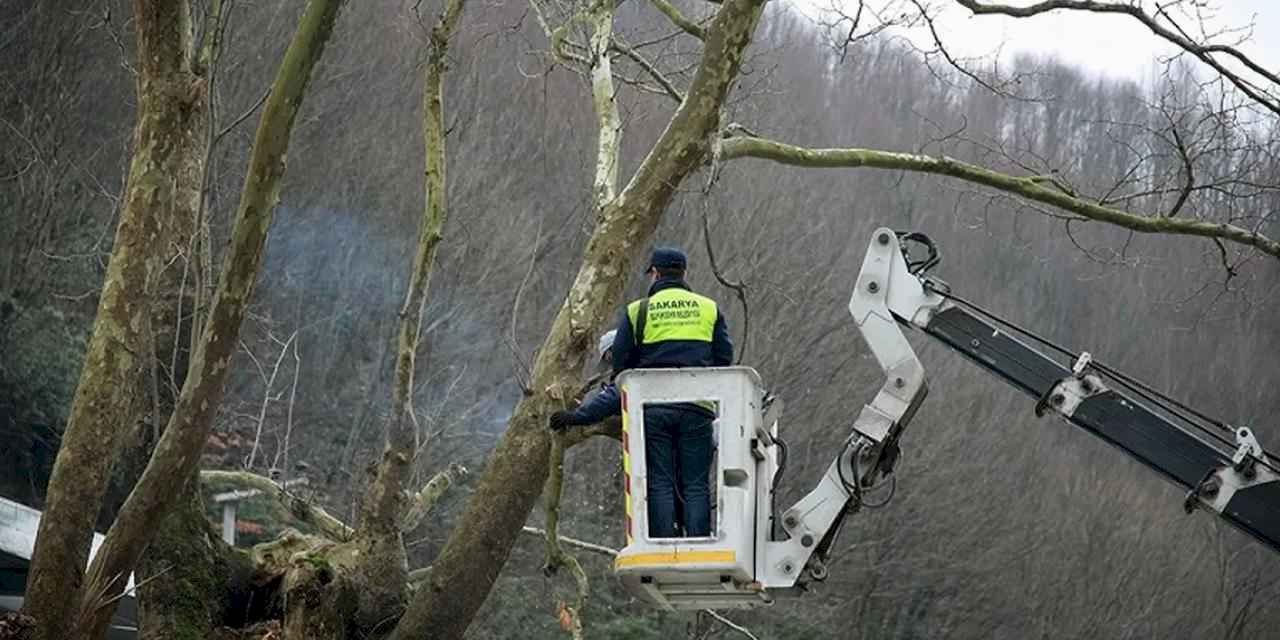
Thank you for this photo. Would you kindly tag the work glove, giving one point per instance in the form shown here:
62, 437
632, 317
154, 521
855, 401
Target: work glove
560, 419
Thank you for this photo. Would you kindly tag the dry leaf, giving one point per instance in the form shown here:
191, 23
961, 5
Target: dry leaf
566, 617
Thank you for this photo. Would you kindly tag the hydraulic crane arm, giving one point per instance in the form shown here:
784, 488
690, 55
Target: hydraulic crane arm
1223, 469
1233, 477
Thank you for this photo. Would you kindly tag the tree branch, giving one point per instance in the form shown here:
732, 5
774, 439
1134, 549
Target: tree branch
304, 510
1202, 52
1029, 188
739, 287
574, 542
604, 96
383, 506
650, 69
425, 500
556, 555
672, 13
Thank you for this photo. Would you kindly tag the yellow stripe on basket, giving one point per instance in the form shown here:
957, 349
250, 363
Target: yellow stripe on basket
674, 557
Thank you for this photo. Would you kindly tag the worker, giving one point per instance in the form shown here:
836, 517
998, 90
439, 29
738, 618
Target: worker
672, 327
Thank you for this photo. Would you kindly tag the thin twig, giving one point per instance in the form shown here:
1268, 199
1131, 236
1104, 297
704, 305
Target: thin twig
739, 287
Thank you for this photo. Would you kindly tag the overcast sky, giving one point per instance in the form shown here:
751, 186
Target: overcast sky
1114, 45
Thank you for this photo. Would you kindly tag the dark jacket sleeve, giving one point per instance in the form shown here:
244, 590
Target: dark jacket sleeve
721, 345
623, 344
600, 406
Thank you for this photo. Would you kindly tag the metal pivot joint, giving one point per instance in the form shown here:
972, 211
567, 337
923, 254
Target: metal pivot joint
1065, 396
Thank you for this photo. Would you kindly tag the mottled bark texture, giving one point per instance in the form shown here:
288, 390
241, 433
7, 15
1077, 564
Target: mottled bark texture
192, 584
479, 545
161, 197
179, 448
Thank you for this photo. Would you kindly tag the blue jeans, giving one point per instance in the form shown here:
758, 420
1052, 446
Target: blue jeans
678, 450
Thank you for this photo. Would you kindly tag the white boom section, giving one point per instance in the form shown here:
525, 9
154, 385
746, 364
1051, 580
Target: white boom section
885, 293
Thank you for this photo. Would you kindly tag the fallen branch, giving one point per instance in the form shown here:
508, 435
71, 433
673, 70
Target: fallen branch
573, 542
729, 623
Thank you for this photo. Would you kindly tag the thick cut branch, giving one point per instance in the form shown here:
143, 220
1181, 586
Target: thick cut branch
180, 446
304, 510
425, 501
1202, 52
479, 545
1029, 187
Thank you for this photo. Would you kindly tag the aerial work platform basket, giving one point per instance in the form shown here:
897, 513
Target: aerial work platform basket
718, 571
755, 551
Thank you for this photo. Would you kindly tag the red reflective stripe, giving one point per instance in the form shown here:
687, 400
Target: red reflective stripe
624, 401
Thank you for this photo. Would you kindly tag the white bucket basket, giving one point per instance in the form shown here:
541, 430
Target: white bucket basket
718, 571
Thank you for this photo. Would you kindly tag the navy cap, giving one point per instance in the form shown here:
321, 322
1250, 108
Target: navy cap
667, 258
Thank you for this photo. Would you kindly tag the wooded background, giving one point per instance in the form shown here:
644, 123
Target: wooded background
1003, 525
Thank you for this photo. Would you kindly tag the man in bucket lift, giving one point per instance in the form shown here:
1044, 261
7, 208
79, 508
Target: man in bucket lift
672, 327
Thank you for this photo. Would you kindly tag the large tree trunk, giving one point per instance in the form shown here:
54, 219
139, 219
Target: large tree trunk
162, 193
481, 542
179, 448
192, 583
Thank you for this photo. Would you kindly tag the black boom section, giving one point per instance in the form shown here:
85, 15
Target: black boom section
1172, 451
997, 351
1257, 511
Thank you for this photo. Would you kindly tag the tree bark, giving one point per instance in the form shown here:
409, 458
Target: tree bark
162, 191
179, 448
481, 542
383, 570
189, 578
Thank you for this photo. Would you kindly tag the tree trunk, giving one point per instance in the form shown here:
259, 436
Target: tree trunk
179, 448
383, 570
163, 187
190, 579
481, 542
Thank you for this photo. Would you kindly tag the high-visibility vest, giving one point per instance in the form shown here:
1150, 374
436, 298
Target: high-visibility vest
675, 314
